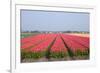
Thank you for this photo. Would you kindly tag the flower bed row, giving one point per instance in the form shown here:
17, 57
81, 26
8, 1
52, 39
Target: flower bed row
81, 40
58, 50
33, 41
27, 39
40, 50
76, 48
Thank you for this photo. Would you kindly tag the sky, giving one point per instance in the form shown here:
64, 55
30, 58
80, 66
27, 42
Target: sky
32, 20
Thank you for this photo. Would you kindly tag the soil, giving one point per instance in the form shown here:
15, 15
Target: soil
55, 59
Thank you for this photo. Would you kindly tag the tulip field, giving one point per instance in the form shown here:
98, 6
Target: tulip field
54, 47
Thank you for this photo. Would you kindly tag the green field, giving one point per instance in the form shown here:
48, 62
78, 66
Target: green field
27, 34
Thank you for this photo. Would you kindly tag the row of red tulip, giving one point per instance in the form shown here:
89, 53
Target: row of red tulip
58, 45
82, 40
31, 41
31, 38
58, 50
42, 47
35, 40
73, 45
